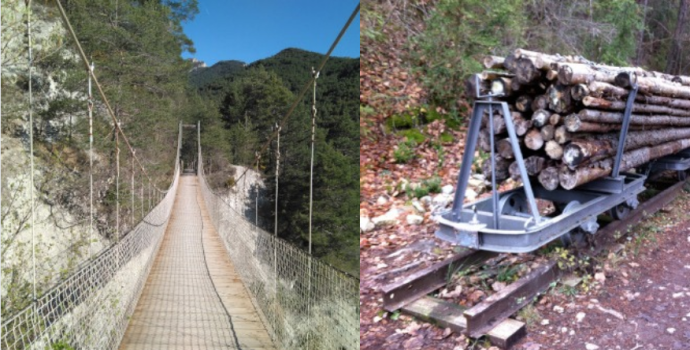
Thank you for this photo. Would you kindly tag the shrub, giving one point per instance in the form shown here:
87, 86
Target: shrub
405, 151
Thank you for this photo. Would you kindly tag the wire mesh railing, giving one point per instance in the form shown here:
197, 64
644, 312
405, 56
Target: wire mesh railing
90, 308
279, 277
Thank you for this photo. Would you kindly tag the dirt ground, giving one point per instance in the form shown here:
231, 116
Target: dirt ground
639, 297
643, 303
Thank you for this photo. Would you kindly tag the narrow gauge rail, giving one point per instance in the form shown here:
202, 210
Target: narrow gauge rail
491, 317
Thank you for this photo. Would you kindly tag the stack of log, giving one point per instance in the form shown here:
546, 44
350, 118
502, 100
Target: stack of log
568, 114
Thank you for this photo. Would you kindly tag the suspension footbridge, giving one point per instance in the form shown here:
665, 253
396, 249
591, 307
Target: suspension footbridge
194, 297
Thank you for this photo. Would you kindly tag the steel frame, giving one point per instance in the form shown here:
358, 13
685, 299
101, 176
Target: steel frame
484, 225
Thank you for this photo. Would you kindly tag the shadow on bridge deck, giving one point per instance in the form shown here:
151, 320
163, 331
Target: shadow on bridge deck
193, 298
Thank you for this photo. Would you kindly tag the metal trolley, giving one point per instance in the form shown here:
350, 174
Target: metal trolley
510, 221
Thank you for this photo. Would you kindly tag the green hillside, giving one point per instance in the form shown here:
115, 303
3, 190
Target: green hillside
242, 104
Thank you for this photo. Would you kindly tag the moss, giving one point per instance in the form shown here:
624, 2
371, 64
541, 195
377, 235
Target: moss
404, 121
413, 134
434, 184
447, 138
405, 151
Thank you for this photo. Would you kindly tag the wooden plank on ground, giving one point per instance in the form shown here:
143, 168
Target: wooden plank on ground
450, 315
439, 312
493, 310
425, 281
507, 333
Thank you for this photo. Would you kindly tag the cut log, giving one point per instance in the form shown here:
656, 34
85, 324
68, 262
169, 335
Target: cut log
504, 148
502, 166
559, 98
666, 101
683, 80
533, 164
501, 86
509, 62
514, 171
526, 72
483, 140
549, 178
490, 75
555, 119
591, 115
521, 125
599, 89
574, 124
579, 91
547, 132
581, 151
653, 86
524, 103
574, 73
561, 135
471, 85
601, 103
540, 102
553, 150
533, 139
570, 179
551, 75
540, 117
493, 62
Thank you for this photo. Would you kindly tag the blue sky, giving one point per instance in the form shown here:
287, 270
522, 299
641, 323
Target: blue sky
249, 30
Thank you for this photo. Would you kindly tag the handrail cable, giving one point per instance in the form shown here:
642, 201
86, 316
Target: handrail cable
90, 107
31, 150
315, 75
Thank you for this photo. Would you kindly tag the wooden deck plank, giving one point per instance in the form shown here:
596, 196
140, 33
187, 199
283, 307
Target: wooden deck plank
194, 299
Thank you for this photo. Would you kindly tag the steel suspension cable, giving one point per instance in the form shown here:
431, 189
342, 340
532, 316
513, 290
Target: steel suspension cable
90, 107
100, 90
31, 150
304, 89
275, 241
315, 76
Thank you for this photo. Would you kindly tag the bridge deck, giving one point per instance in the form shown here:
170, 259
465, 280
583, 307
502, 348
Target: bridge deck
193, 298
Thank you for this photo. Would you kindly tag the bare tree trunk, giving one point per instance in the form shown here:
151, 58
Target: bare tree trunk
673, 64
640, 42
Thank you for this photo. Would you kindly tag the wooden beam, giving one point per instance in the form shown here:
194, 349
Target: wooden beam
498, 307
427, 280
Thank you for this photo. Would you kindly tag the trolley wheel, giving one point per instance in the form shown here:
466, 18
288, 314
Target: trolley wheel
513, 203
620, 212
574, 238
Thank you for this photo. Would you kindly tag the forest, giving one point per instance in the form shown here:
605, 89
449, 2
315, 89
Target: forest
239, 104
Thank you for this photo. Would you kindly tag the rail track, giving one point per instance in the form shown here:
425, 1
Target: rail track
491, 317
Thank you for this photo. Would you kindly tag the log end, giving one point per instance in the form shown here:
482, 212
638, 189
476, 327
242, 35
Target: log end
572, 156
567, 178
